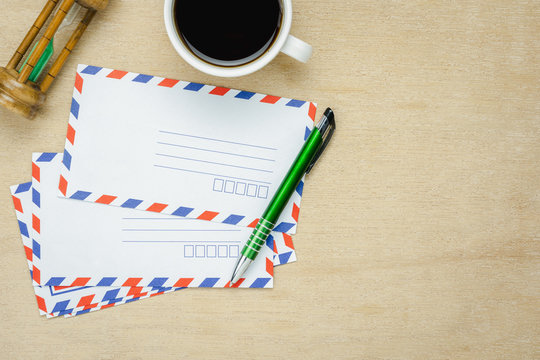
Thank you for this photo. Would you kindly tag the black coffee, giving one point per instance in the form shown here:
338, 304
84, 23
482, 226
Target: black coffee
228, 32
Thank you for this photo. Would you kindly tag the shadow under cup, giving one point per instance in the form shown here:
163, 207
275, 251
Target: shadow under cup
228, 33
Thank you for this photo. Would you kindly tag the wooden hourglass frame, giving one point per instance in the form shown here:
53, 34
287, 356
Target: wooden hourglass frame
17, 92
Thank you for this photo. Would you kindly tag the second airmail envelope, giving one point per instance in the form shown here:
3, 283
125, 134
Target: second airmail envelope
79, 243
182, 148
55, 301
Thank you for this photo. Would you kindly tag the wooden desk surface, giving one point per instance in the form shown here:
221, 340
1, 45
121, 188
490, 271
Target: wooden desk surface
419, 234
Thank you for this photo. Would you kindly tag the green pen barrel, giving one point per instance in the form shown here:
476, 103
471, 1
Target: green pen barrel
283, 194
293, 177
257, 239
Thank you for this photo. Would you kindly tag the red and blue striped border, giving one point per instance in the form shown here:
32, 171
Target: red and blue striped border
189, 86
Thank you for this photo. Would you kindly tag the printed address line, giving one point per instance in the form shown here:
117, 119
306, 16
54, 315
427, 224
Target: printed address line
219, 140
215, 151
211, 174
215, 163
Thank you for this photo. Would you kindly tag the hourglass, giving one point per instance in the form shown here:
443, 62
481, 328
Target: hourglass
21, 90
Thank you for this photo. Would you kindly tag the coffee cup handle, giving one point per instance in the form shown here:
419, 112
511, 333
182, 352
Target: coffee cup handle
296, 48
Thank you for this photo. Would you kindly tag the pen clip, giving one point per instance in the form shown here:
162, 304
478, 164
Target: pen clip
329, 116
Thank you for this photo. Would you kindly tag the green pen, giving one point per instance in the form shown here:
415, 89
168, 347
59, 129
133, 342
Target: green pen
309, 154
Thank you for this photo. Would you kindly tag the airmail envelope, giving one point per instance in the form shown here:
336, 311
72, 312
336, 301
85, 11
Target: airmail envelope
187, 149
92, 244
55, 301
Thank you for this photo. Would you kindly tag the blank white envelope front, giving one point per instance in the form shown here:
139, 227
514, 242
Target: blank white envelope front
186, 149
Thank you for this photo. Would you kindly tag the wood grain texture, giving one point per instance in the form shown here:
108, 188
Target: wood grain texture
430, 192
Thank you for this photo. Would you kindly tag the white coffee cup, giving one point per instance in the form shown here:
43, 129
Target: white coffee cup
283, 42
